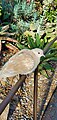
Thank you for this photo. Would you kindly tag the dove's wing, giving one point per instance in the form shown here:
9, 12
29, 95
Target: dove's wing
23, 62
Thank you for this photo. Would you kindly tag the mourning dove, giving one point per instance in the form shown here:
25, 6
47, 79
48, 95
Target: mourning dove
23, 62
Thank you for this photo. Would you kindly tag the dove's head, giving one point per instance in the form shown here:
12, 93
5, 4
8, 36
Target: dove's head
38, 52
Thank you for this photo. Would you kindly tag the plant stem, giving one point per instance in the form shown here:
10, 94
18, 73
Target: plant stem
49, 44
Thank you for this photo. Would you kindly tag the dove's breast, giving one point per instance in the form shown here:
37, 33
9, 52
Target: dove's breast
22, 64
25, 63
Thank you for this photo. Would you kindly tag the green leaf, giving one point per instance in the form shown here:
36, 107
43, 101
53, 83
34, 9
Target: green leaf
20, 46
50, 55
41, 44
51, 50
53, 59
47, 66
37, 40
44, 73
31, 42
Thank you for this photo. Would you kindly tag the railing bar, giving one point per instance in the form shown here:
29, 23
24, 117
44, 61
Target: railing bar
11, 93
35, 94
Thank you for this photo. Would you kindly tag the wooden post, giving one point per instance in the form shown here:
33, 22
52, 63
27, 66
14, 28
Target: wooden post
35, 94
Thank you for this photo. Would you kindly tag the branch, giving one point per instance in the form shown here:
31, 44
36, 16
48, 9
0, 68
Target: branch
49, 44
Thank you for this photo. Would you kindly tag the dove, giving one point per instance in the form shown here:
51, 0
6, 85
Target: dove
23, 62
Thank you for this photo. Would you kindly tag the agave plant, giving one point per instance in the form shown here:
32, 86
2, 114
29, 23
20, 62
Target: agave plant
22, 9
7, 9
24, 13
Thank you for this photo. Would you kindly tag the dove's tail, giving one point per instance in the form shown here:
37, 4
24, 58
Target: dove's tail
1, 74
2, 77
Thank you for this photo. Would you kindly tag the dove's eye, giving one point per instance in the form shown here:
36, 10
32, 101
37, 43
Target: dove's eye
38, 52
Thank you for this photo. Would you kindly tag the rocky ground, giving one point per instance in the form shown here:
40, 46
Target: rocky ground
51, 111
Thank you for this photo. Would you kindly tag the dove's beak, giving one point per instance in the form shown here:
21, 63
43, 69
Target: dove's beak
43, 55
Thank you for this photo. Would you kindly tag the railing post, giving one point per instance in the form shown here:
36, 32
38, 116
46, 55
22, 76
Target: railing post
35, 94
